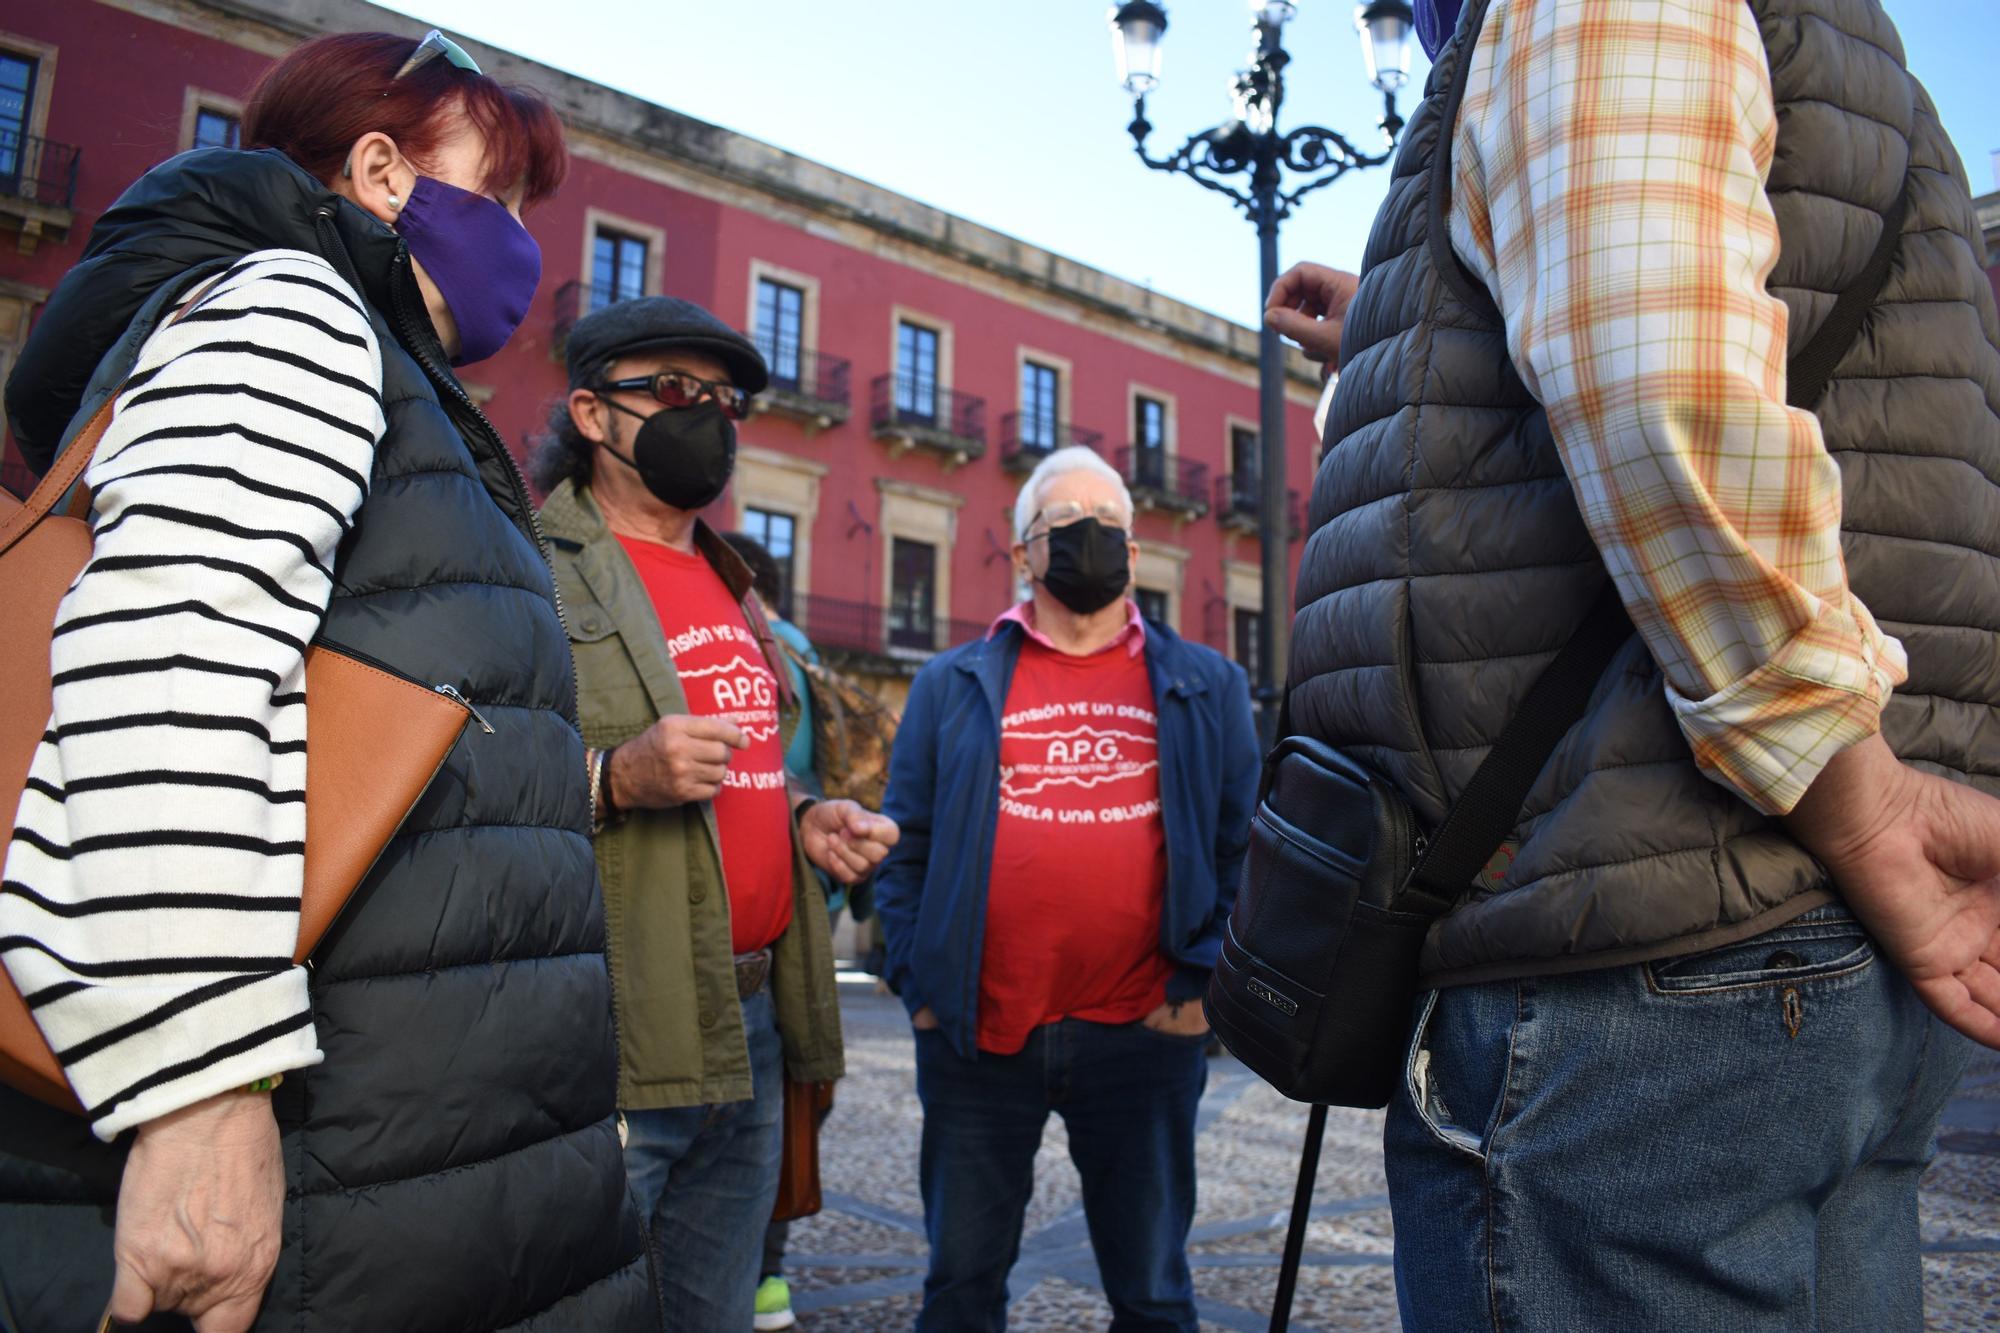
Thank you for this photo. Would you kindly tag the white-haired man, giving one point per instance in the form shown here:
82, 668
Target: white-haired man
1074, 793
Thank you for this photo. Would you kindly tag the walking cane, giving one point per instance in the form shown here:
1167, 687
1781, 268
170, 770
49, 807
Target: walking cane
1295, 1235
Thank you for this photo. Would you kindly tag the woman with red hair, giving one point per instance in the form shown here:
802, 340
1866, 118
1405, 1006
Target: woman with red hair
417, 1129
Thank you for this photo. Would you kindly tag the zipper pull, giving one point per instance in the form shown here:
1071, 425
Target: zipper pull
451, 692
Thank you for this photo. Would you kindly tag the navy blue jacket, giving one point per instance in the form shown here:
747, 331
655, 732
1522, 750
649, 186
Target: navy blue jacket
944, 792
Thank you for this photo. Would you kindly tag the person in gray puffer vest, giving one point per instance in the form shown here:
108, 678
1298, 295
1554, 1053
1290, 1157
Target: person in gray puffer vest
417, 1130
1685, 1042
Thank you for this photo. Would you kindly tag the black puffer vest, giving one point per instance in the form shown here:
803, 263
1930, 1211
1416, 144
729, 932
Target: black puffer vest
1448, 561
454, 1163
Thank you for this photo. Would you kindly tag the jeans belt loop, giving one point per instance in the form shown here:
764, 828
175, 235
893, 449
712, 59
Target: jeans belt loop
753, 971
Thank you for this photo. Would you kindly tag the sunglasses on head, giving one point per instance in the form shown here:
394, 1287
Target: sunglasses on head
677, 388
433, 45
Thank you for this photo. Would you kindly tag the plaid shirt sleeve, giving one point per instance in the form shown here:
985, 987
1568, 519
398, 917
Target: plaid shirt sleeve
1608, 187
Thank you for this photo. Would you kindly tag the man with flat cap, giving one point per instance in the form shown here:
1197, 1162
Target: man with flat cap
721, 960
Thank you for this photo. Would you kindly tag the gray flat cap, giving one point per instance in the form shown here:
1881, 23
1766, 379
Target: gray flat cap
652, 322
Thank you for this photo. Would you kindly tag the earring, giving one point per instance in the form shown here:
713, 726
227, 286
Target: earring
394, 202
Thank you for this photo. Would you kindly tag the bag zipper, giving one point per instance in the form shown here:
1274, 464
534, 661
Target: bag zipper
451, 692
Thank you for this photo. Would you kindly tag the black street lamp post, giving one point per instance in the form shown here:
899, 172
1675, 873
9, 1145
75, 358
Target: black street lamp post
1249, 144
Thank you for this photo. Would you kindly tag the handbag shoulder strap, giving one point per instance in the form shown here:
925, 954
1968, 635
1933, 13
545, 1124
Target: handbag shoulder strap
1489, 807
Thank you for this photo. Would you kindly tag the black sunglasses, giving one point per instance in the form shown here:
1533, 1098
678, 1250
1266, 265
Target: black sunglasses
677, 388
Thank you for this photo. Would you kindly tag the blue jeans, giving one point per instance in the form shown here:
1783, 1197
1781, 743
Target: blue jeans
707, 1178
1128, 1098
1730, 1139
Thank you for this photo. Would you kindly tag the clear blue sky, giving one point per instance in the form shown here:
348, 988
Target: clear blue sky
1008, 113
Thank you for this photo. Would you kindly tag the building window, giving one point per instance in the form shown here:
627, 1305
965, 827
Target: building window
617, 268
1149, 442
1246, 641
216, 129
776, 533
1245, 466
17, 97
1152, 603
1041, 399
916, 371
912, 579
781, 315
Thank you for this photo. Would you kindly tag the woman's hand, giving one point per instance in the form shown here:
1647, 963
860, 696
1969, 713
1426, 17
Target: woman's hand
199, 1214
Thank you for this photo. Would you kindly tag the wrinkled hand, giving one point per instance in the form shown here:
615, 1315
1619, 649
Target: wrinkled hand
199, 1214
924, 1020
679, 759
1308, 304
1918, 860
1178, 1018
845, 840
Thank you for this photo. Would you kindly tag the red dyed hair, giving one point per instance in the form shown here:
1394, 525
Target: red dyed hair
313, 104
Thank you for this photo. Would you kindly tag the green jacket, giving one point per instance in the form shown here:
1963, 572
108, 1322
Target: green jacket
680, 1029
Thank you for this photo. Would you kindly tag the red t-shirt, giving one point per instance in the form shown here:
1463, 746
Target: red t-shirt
1080, 853
724, 674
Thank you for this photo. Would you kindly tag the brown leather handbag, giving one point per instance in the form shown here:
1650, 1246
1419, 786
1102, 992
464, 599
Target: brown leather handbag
359, 785
806, 1106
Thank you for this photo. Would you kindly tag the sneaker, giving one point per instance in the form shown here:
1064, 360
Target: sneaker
774, 1305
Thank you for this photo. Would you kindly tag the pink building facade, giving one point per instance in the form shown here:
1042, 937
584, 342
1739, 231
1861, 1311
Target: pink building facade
923, 363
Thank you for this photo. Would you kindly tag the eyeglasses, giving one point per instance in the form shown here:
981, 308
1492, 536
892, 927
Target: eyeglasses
433, 45
1065, 512
677, 388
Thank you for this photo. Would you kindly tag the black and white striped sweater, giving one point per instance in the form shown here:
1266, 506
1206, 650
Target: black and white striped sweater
150, 902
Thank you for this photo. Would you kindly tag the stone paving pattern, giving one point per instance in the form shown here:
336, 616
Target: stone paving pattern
858, 1267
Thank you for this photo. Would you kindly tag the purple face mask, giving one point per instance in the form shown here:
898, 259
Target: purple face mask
1437, 20
482, 260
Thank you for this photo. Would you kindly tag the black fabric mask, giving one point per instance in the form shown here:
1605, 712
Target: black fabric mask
685, 455
1087, 565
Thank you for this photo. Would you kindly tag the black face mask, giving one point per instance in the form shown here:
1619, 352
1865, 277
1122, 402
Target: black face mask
685, 455
1087, 565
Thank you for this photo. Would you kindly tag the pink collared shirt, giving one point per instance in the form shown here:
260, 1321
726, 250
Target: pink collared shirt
1133, 635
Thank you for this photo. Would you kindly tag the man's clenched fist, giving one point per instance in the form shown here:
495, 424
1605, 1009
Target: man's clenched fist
680, 758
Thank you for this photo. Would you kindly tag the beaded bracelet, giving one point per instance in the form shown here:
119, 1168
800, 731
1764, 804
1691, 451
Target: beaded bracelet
264, 1084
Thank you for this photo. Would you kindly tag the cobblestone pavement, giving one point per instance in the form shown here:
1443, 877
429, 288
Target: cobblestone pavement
859, 1265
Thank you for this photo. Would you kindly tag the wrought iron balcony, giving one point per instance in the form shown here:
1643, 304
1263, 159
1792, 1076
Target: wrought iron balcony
807, 385
1239, 504
910, 412
1026, 438
840, 626
37, 187
36, 169
1161, 481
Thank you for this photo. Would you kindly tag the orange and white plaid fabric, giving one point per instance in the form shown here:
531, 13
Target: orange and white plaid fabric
1608, 186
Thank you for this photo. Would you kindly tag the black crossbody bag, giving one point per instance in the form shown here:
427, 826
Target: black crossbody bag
1316, 981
